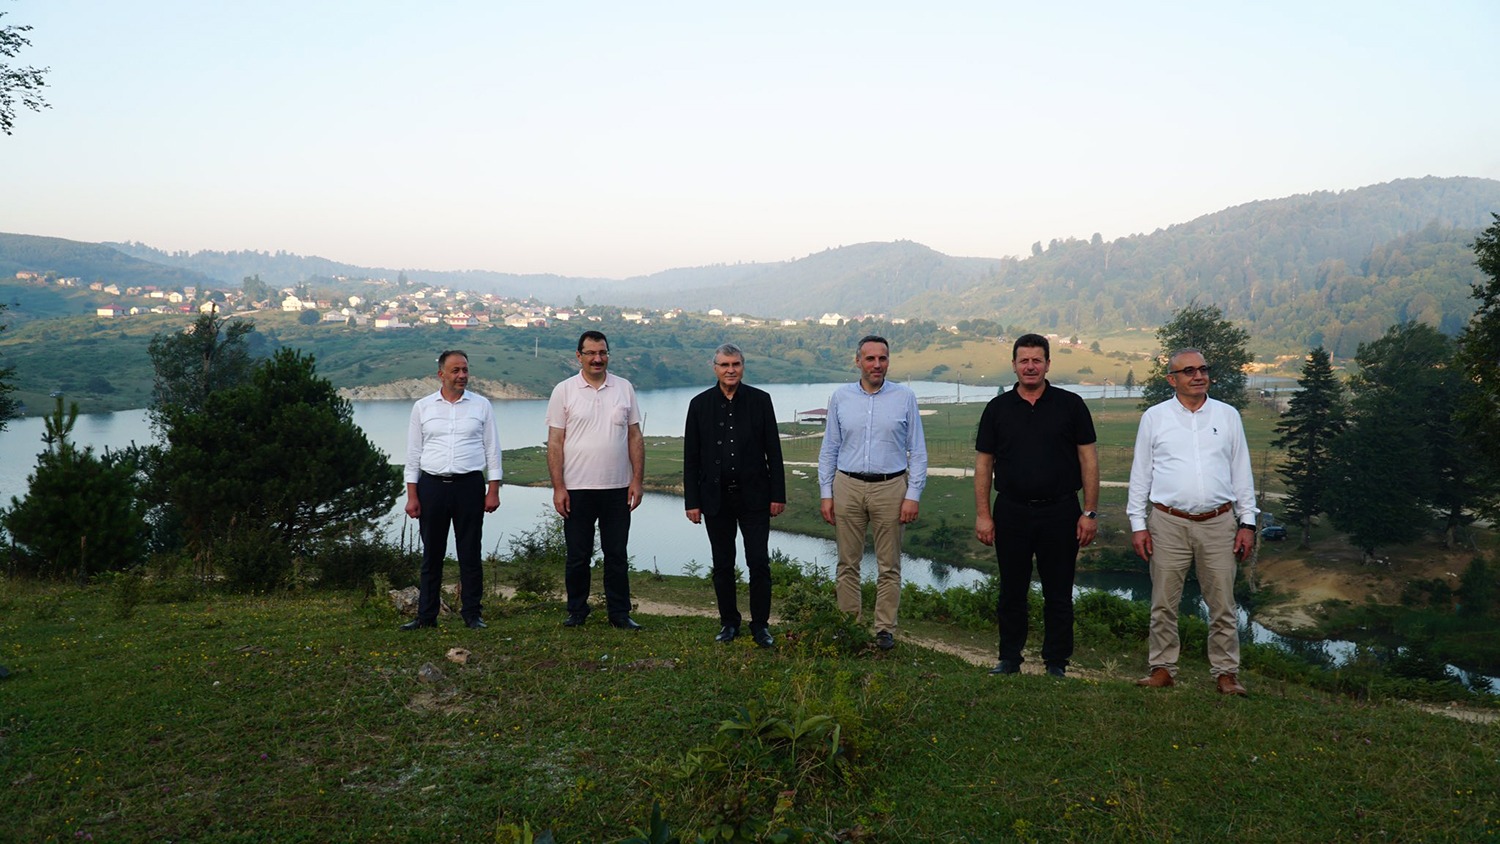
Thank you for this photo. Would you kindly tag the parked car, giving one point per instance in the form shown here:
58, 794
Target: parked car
1273, 532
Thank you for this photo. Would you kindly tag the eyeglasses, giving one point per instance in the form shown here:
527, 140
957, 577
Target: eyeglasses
594, 354
1189, 371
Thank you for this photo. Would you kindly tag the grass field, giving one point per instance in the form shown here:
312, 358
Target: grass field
305, 717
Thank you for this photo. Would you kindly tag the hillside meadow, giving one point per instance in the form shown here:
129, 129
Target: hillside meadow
196, 716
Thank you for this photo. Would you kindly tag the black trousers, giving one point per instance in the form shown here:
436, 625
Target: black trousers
754, 524
457, 501
610, 510
1050, 534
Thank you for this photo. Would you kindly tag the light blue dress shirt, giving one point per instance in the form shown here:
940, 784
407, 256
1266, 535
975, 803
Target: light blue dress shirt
874, 433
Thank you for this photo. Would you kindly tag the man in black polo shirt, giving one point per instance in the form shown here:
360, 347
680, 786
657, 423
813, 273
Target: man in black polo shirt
1036, 449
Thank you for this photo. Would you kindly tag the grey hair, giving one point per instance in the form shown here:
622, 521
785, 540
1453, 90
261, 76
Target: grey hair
1186, 350
728, 350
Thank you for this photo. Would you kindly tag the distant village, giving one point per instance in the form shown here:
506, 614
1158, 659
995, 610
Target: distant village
391, 306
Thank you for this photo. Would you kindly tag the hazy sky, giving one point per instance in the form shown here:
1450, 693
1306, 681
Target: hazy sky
622, 138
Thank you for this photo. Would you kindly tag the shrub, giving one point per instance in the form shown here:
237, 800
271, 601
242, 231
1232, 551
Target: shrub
352, 562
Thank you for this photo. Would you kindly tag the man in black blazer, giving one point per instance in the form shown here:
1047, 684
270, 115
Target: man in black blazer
732, 477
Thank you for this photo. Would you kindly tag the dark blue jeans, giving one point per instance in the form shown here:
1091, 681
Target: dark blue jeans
457, 501
610, 510
1050, 534
754, 524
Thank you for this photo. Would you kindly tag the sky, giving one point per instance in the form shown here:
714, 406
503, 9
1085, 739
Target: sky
614, 139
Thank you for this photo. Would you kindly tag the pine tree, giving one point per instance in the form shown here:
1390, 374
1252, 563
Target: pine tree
1479, 360
1314, 419
81, 514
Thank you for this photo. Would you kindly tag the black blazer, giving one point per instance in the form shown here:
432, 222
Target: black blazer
763, 477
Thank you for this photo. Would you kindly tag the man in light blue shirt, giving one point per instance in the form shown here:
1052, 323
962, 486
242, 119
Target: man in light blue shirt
871, 471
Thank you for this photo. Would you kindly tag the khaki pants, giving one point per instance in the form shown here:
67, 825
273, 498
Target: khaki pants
856, 506
1178, 543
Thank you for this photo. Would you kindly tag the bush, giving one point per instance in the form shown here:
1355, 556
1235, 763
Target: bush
351, 563
537, 555
254, 559
816, 625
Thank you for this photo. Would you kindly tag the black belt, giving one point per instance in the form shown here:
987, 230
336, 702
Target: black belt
872, 477
448, 479
1042, 502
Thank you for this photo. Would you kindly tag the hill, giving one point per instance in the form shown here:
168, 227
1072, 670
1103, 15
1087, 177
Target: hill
88, 262
1331, 267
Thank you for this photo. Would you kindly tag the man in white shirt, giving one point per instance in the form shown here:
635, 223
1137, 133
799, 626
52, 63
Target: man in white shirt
452, 477
1192, 499
596, 456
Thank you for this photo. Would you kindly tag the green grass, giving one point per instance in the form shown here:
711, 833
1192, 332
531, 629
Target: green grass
302, 718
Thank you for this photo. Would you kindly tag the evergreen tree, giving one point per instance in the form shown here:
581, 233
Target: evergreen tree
1223, 346
81, 514
1314, 418
211, 354
1386, 472
276, 463
1479, 360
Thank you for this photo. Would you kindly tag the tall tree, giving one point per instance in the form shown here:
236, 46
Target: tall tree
1386, 473
19, 86
1479, 359
211, 354
279, 459
1313, 420
1223, 346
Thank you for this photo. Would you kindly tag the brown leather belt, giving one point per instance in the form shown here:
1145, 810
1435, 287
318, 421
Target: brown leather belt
1194, 517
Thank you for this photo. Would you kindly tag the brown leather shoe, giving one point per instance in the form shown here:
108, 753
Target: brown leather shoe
1229, 684
1159, 678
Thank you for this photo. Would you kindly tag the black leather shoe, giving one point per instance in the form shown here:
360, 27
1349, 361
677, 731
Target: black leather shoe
624, 622
575, 620
761, 635
884, 640
1057, 669
727, 634
1006, 666
476, 623
418, 624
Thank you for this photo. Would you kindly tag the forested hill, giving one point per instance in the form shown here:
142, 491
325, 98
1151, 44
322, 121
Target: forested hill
89, 262
1330, 268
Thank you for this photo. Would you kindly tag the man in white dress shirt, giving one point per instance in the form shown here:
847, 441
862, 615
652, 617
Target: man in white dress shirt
1192, 500
452, 477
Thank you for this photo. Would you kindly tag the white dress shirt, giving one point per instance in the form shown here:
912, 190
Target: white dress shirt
452, 438
1193, 461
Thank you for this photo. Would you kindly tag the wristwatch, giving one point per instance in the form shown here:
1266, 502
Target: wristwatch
1244, 526
1091, 514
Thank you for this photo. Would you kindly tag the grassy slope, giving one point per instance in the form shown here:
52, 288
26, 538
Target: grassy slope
303, 719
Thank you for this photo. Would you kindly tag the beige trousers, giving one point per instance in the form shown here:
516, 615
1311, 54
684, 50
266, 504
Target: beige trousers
858, 505
1178, 543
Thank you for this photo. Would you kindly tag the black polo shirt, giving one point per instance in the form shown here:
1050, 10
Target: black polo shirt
1035, 446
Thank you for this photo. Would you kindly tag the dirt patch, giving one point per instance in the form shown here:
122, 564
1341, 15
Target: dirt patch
1307, 581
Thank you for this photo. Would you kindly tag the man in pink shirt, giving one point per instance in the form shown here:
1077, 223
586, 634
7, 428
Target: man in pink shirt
596, 456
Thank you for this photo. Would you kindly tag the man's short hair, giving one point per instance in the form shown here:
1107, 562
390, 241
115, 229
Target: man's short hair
728, 350
1185, 350
1031, 341
444, 355
591, 334
871, 338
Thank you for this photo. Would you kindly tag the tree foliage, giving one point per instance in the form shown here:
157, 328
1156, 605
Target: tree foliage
212, 354
9, 409
1479, 358
277, 461
19, 86
1313, 420
1224, 349
1389, 466
81, 514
